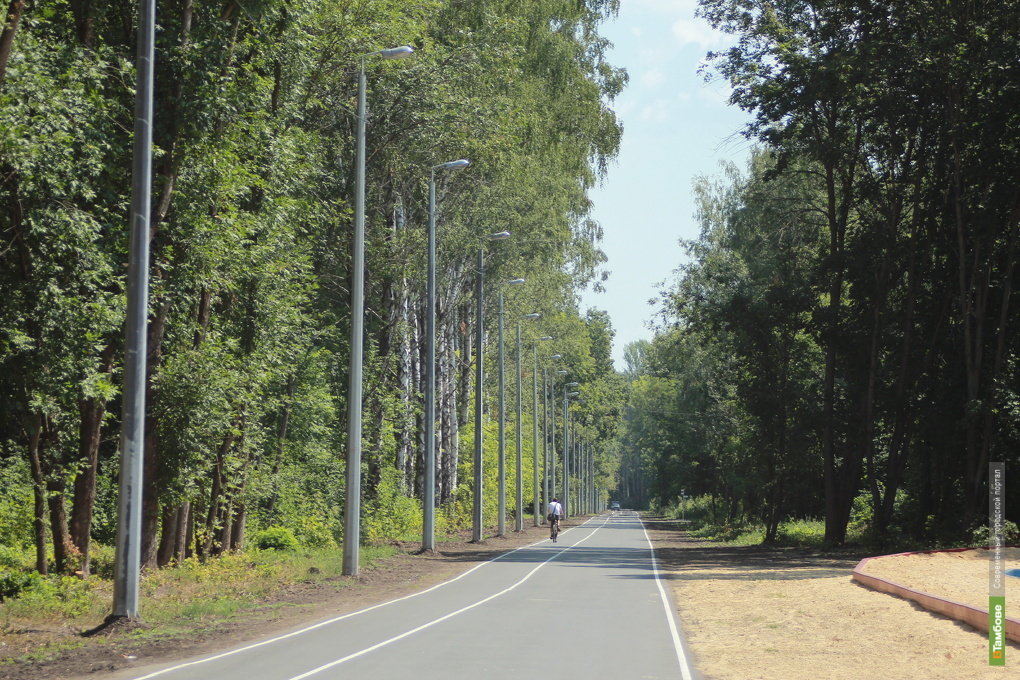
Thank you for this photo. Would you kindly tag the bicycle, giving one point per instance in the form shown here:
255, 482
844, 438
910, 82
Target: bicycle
554, 529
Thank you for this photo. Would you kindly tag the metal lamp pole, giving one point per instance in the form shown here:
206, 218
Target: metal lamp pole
545, 440
501, 471
127, 561
352, 500
566, 446
552, 433
535, 499
428, 531
519, 511
477, 519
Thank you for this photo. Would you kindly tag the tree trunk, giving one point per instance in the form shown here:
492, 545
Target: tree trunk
83, 21
281, 441
168, 535
63, 549
446, 468
92, 411
185, 532
150, 499
405, 381
215, 519
240, 518
38, 492
10, 29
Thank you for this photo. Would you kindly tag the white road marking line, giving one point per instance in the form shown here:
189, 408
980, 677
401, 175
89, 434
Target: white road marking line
685, 670
422, 627
322, 624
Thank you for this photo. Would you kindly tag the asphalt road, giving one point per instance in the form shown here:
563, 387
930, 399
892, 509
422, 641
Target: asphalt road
590, 606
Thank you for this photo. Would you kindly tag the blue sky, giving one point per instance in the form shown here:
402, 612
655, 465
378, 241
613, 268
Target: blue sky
676, 127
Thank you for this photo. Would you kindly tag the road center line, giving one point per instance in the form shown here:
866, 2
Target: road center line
337, 619
443, 618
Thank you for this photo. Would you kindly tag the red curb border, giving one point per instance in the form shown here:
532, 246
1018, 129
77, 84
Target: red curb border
973, 616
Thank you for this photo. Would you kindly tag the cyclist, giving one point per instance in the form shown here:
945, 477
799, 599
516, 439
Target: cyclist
554, 512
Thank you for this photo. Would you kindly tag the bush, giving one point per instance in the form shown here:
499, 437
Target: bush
1010, 534
11, 558
802, 533
102, 559
276, 538
14, 583
314, 533
391, 515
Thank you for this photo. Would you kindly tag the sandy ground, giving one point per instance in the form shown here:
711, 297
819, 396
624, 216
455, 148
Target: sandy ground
959, 576
753, 613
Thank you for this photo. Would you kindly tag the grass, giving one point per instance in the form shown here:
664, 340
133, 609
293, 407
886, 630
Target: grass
801, 533
174, 599
222, 587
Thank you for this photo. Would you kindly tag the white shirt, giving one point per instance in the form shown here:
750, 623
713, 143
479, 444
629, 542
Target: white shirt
555, 509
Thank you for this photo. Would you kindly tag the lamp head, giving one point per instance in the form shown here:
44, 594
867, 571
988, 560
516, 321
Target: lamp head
516, 282
572, 384
498, 236
452, 165
534, 315
401, 52
546, 337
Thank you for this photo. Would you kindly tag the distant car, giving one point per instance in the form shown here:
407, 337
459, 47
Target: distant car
614, 505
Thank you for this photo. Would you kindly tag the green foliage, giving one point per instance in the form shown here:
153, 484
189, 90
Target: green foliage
315, 533
14, 583
102, 560
11, 558
276, 538
392, 515
53, 598
852, 102
15, 498
697, 510
251, 259
1010, 534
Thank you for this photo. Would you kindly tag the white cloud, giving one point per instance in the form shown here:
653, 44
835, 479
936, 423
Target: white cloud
657, 111
715, 94
652, 79
664, 6
697, 32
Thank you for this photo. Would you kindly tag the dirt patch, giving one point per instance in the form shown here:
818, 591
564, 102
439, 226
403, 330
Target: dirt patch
756, 613
116, 648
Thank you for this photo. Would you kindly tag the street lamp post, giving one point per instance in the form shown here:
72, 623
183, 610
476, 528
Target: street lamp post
477, 519
428, 541
552, 433
352, 500
535, 500
127, 559
545, 439
501, 471
566, 446
519, 511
